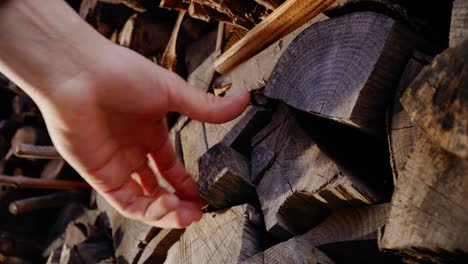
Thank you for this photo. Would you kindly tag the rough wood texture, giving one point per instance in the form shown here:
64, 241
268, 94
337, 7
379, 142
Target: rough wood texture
197, 137
346, 225
459, 23
283, 20
225, 177
437, 101
350, 73
297, 180
253, 73
428, 219
229, 236
402, 132
156, 250
209, 14
130, 236
34, 183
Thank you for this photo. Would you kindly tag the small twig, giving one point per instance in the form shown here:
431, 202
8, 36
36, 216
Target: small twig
27, 182
169, 58
37, 152
52, 200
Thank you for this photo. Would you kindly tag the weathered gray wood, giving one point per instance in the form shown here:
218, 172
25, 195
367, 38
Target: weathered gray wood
297, 180
253, 73
156, 250
229, 236
402, 132
351, 72
428, 219
225, 177
459, 23
130, 236
197, 137
343, 226
437, 101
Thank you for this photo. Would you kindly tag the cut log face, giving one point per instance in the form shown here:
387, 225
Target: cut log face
428, 219
229, 236
197, 137
347, 225
402, 131
156, 250
345, 68
225, 178
297, 180
459, 23
437, 100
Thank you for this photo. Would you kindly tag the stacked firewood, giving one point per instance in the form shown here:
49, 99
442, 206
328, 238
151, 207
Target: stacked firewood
354, 148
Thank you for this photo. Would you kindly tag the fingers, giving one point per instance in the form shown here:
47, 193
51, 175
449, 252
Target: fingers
203, 106
161, 209
174, 172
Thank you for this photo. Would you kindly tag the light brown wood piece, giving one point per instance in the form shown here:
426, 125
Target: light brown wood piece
156, 250
33, 183
53, 200
402, 132
37, 152
207, 13
343, 226
229, 236
297, 180
428, 219
225, 178
350, 74
169, 58
197, 137
459, 23
286, 18
437, 101
254, 73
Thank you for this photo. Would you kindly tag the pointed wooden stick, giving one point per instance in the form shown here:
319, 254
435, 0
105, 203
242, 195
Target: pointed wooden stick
37, 152
33, 183
169, 58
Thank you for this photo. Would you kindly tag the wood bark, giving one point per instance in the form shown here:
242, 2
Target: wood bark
225, 178
347, 225
437, 101
197, 137
459, 23
428, 219
351, 73
254, 73
297, 180
402, 132
283, 20
229, 236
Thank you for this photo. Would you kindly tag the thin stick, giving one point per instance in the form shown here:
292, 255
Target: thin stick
283, 20
36, 152
52, 200
33, 183
169, 58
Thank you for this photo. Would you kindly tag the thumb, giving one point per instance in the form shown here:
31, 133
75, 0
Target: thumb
205, 107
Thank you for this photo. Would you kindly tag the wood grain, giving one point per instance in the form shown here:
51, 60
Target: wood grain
459, 23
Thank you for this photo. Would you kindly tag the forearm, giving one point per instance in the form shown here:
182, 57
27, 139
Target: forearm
44, 44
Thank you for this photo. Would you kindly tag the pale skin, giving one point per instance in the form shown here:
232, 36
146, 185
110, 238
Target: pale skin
105, 108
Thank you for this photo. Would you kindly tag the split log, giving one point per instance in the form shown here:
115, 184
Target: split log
156, 250
402, 132
53, 200
428, 220
253, 73
30, 151
437, 101
27, 182
347, 225
297, 180
225, 178
459, 23
229, 236
203, 75
197, 137
282, 21
130, 236
169, 57
351, 72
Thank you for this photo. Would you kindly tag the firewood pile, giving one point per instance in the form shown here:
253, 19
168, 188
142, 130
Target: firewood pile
354, 148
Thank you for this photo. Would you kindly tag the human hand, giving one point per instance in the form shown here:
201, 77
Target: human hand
105, 109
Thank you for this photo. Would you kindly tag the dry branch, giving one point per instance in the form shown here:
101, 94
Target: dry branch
37, 152
27, 182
